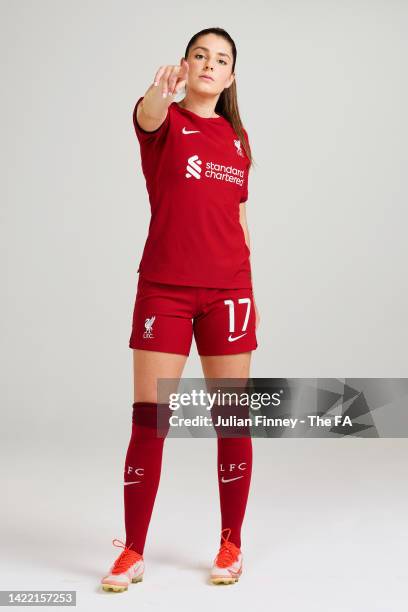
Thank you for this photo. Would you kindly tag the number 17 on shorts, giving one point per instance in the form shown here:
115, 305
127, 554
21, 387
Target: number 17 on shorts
227, 325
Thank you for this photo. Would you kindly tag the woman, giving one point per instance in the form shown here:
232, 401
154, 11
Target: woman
194, 278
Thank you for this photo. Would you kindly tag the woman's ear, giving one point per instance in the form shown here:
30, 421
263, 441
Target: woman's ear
231, 80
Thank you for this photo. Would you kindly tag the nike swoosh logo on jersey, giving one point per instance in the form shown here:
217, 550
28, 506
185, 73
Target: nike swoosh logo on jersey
231, 339
133, 482
230, 479
184, 131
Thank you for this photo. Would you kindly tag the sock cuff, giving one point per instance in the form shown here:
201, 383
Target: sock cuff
152, 416
144, 404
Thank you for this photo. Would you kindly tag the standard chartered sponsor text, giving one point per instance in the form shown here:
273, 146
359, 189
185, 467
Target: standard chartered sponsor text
230, 174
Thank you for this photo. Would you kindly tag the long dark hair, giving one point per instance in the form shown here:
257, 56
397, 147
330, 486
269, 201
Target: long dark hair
227, 104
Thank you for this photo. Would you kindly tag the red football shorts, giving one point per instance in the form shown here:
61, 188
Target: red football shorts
165, 317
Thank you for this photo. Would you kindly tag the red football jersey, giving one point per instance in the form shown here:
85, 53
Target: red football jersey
196, 173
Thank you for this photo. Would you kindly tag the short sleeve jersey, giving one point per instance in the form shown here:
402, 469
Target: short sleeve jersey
196, 173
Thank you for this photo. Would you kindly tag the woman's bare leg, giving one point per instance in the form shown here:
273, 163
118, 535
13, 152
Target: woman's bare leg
148, 366
226, 366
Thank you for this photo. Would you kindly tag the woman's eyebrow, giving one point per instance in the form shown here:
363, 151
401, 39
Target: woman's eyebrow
205, 49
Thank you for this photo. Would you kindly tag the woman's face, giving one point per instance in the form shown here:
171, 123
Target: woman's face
210, 55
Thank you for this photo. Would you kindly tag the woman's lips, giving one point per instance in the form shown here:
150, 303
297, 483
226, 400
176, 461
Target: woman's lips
206, 78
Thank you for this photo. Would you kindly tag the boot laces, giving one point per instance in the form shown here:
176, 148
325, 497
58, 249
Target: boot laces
228, 552
126, 558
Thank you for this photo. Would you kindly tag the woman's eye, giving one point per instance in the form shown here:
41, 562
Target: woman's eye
198, 55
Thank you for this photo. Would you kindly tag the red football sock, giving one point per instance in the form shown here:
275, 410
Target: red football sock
143, 468
234, 459
234, 478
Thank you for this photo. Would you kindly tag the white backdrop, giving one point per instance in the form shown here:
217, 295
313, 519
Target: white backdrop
323, 94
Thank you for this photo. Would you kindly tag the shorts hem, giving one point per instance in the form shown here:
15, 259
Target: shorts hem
219, 353
156, 350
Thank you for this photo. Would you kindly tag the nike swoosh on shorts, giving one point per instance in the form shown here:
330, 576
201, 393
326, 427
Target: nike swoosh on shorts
231, 339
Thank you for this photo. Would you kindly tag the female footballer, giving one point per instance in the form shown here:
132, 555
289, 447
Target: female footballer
194, 279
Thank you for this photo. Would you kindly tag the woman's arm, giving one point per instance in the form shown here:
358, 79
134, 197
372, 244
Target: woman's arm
244, 225
152, 111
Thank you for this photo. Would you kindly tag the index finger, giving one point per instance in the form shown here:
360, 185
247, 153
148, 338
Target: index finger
158, 75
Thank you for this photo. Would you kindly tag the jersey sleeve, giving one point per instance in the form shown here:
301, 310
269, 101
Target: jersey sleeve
146, 138
244, 194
